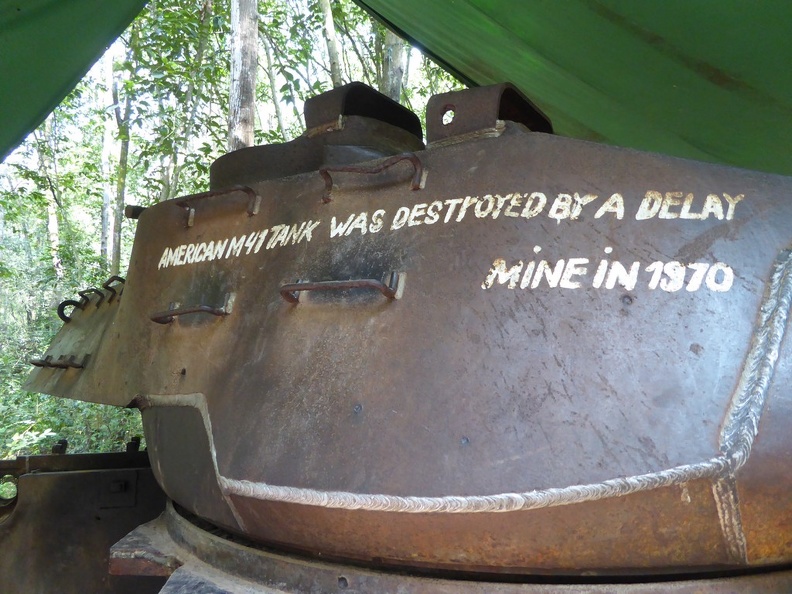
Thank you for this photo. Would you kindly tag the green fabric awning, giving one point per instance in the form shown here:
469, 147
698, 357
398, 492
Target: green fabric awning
46, 47
692, 78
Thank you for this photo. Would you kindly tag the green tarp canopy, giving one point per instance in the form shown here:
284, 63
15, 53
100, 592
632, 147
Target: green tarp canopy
46, 47
693, 78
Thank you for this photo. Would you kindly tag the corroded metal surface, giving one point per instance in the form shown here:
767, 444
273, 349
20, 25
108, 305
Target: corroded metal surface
69, 510
454, 115
583, 372
205, 561
349, 124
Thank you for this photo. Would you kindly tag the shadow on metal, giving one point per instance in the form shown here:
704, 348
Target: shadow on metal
69, 509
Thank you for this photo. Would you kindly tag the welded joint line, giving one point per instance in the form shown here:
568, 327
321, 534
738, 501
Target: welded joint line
198, 402
741, 423
724, 492
737, 436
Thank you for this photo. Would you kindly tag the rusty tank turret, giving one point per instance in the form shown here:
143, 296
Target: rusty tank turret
506, 352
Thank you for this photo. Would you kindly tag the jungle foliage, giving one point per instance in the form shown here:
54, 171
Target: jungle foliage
143, 126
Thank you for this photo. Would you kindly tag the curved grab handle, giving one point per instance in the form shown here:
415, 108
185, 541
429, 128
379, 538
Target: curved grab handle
86, 299
167, 316
253, 208
62, 309
393, 289
63, 362
417, 182
108, 287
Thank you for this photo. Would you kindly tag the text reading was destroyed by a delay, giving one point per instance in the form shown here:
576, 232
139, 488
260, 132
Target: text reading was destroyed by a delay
570, 272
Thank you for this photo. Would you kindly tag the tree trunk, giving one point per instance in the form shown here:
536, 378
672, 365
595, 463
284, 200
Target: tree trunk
192, 99
122, 120
392, 66
107, 173
273, 87
104, 239
244, 63
332, 43
364, 63
165, 178
107, 208
49, 171
53, 234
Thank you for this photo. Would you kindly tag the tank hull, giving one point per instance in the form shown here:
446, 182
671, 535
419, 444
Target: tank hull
566, 358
